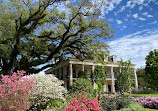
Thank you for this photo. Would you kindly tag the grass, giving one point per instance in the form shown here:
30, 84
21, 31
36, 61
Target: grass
145, 95
134, 106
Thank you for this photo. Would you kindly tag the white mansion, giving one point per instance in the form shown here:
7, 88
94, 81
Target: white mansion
67, 71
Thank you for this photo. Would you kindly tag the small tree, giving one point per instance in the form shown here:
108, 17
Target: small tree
99, 77
151, 69
82, 74
124, 76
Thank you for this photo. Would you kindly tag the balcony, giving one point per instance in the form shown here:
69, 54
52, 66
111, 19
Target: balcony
108, 76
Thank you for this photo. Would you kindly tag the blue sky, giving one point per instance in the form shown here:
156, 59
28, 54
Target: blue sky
136, 25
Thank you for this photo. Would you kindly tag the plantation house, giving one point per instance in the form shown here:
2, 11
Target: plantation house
67, 71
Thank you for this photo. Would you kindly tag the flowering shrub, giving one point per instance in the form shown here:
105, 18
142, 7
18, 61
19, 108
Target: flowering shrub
14, 92
147, 102
47, 88
83, 104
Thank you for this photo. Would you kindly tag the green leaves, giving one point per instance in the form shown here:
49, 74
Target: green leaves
82, 85
99, 75
82, 74
151, 69
125, 76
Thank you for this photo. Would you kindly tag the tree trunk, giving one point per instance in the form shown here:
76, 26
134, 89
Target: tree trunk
7, 71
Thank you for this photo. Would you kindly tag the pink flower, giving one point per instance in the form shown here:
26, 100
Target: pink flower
83, 92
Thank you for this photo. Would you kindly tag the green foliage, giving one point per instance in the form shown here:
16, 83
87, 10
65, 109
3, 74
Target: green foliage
142, 83
56, 104
111, 104
82, 74
32, 33
151, 69
99, 76
81, 85
125, 76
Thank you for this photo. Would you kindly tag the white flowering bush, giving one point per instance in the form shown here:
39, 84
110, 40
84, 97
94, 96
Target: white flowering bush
47, 88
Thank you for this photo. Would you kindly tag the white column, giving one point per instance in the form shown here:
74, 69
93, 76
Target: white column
82, 67
113, 81
104, 88
70, 74
92, 68
93, 72
136, 81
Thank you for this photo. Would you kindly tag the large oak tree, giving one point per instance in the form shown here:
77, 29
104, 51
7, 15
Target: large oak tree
34, 32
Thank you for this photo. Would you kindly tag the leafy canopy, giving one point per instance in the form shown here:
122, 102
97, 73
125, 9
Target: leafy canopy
142, 83
151, 69
35, 32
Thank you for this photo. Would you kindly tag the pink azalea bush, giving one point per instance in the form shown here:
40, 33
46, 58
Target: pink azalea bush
14, 92
147, 102
83, 104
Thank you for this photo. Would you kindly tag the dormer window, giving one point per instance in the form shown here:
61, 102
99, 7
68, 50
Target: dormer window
112, 59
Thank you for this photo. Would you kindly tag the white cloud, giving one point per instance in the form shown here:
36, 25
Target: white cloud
133, 3
141, 7
146, 14
154, 22
149, 16
135, 46
124, 26
122, 9
151, 1
128, 15
119, 21
128, 4
135, 15
111, 5
110, 19
141, 18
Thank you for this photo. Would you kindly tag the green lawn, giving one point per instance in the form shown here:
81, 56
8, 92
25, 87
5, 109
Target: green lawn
146, 95
134, 106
